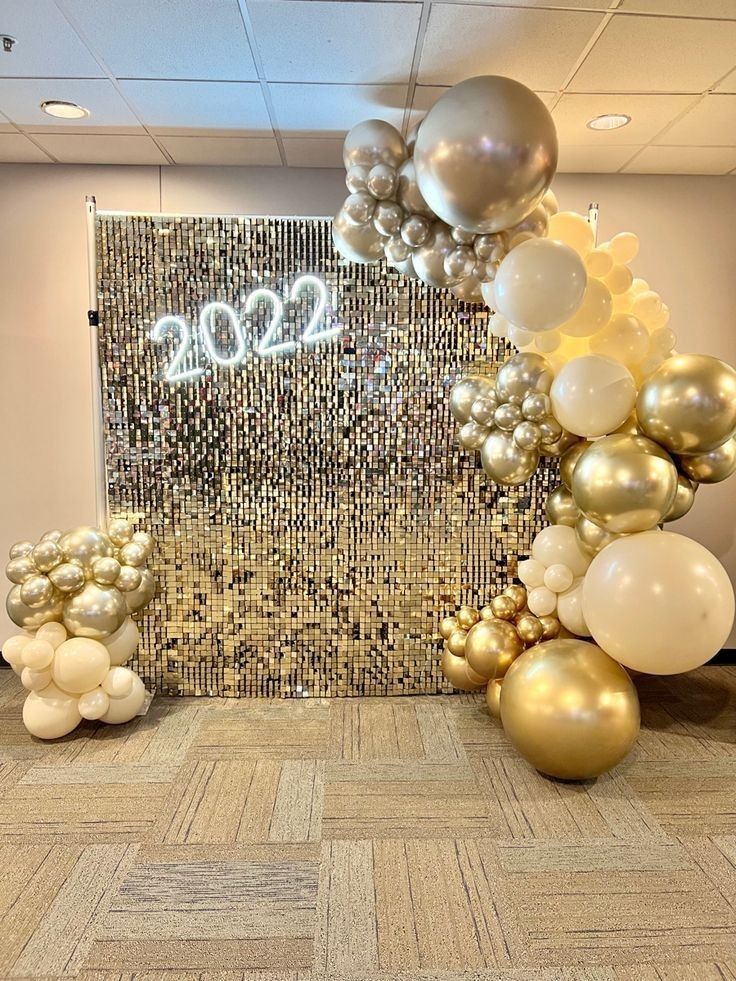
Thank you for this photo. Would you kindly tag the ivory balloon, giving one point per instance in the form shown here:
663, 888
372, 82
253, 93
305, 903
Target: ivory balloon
30, 618
713, 466
658, 602
458, 673
592, 395
80, 664
124, 709
506, 463
95, 611
491, 647
37, 655
557, 544
593, 313
540, 284
689, 404
624, 338
93, 704
561, 508
371, 142
570, 610
50, 713
572, 229
122, 645
569, 709
356, 243
542, 601
625, 484
486, 153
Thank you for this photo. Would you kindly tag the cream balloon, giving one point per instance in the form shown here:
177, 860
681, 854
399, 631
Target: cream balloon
572, 229
93, 704
80, 664
35, 680
124, 709
593, 313
658, 602
624, 338
592, 395
570, 610
122, 645
531, 572
50, 713
558, 545
542, 601
540, 285
118, 682
53, 633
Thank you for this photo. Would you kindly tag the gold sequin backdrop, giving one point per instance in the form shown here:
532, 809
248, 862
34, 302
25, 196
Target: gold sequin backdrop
314, 516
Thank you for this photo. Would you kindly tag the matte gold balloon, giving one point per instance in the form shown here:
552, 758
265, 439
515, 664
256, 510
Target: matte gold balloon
689, 404
569, 709
447, 626
467, 616
141, 595
458, 672
95, 611
561, 508
503, 607
456, 642
493, 697
550, 627
31, 618
530, 628
591, 537
625, 484
518, 594
711, 467
486, 153
506, 463
569, 460
684, 499
67, 577
491, 647
83, 545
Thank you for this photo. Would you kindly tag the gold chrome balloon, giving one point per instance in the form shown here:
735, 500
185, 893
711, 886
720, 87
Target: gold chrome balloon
503, 607
506, 463
689, 404
129, 579
20, 569
67, 577
356, 243
711, 467
467, 616
550, 627
20, 549
487, 613
140, 595
472, 435
591, 537
522, 375
459, 673
493, 697
95, 611
569, 460
464, 394
530, 628
119, 531
31, 618
83, 545
561, 508
456, 642
447, 626
46, 555
37, 591
491, 647
106, 571
371, 142
569, 709
517, 594
684, 499
625, 484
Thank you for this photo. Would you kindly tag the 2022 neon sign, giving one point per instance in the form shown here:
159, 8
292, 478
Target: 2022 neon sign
178, 369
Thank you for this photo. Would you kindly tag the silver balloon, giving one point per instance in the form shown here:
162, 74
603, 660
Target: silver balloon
429, 259
472, 435
415, 230
468, 290
20, 549
396, 250
356, 243
464, 394
463, 237
83, 545
46, 555
506, 463
67, 577
460, 262
32, 618
95, 611
387, 218
486, 153
523, 375
358, 208
137, 598
382, 181
356, 178
37, 591
20, 569
411, 137
371, 142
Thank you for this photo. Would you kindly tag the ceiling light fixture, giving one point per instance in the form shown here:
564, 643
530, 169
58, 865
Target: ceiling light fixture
64, 110
609, 120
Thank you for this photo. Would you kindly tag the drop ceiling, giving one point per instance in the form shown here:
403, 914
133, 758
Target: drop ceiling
279, 82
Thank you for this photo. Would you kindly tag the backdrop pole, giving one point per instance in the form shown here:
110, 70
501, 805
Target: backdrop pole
98, 438
593, 220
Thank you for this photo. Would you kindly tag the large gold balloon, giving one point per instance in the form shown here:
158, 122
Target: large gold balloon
689, 404
458, 672
83, 545
136, 599
569, 709
591, 537
356, 243
711, 467
486, 153
569, 460
31, 618
95, 611
561, 508
491, 646
625, 484
504, 462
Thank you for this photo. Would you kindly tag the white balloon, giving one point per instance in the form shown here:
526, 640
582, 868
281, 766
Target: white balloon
37, 655
124, 709
540, 284
531, 573
93, 704
542, 601
558, 545
558, 578
570, 610
572, 229
50, 713
80, 664
119, 682
123, 643
592, 395
53, 633
13, 651
658, 602
35, 680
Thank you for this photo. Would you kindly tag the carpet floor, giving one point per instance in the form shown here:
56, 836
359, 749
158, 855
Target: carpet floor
366, 840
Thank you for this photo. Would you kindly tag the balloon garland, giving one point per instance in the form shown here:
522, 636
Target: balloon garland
74, 594
465, 204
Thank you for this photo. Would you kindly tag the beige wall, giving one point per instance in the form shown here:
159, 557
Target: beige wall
688, 249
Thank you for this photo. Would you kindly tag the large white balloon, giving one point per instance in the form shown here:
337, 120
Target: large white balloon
592, 395
540, 284
123, 709
50, 713
658, 602
123, 643
80, 664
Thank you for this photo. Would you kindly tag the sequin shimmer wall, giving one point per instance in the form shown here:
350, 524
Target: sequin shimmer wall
314, 516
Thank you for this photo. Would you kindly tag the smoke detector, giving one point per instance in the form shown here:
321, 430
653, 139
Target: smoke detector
8, 42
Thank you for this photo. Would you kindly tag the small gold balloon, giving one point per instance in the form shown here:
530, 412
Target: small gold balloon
458, 672
517, 594
550, 627
447, 626
46, 555
20, 549
31, 618
491, 647
569, 460
493, 697
467, 616
503, 607
106, 570
684, 499
129, 579
487, 613
561, 508
464, 394
530, 629
83, 545
591, 537
561, 445
37, 591
67, 577
140, 595
711, 467
569, 709
456, 642
20, 569
132, 554
95, 611
119, 531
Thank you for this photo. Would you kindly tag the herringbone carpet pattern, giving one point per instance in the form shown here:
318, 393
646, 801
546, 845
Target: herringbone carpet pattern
366, 839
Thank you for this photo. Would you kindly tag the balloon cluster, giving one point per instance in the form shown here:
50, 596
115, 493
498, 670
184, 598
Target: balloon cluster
510, 420
73, 595
448, 213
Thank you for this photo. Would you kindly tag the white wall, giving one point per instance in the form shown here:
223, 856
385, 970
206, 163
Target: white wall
688, 250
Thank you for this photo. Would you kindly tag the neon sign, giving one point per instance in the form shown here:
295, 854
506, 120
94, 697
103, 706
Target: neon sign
179, 368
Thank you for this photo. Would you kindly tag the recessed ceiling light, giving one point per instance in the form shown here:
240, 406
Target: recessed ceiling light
64, 110
609, 120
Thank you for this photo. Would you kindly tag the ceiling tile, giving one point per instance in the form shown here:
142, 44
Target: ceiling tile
47, 44
658, 54
21, 98
232, 151
683, 160
704, 8
313, 153
537, 47
331, 110
593, 159
198, 39
312, 41
89, 148
649, 114
16, 148
218, 107
712, 122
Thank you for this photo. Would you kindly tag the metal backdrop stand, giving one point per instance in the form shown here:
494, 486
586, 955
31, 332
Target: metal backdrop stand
593, 219
93, 320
